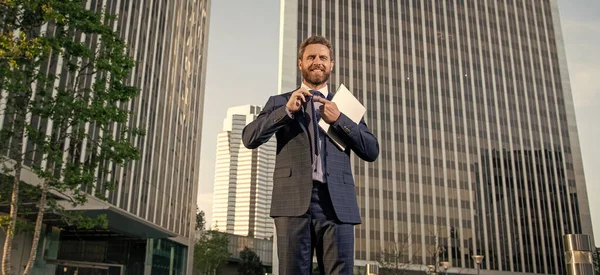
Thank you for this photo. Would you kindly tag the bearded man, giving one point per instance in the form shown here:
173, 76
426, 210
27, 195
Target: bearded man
313, 201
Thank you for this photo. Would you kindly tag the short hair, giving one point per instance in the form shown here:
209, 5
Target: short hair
315, 39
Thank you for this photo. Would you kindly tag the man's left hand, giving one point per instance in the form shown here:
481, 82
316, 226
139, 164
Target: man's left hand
329, 110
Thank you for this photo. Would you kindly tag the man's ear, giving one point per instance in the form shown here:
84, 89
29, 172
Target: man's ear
300, 64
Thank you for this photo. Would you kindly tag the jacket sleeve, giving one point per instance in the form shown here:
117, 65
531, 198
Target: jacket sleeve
272, 117
358, 137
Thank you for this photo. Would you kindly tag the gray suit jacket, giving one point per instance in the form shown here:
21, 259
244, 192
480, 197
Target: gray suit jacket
292, 178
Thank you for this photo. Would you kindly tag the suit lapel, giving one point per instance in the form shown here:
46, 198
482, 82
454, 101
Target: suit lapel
302, 119
331, 94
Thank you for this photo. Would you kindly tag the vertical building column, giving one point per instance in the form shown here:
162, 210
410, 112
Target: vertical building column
149, 253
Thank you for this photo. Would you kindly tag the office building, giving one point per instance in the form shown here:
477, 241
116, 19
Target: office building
243, 179
472, 106
151, 211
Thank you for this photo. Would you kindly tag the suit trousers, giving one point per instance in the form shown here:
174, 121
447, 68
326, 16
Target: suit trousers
318, 230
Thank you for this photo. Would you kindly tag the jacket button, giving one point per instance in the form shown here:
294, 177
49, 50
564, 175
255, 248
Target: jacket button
328, 174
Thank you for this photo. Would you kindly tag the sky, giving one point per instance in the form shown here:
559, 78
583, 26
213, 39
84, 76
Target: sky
242, 67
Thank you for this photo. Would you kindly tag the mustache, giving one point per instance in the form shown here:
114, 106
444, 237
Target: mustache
317, 67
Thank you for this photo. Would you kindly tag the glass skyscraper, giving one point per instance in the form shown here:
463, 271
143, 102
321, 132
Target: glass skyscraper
169, 40
472, 106
153, 203
243, 179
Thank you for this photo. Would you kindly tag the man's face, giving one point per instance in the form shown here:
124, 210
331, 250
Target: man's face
316, 64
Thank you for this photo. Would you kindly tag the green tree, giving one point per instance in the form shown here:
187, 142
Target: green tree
315, 270
210, 252
200, 219
251, 263
62, 68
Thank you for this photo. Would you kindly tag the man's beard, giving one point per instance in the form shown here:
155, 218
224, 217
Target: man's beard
316, 80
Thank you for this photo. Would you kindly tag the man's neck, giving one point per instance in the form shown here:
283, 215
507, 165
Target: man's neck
313, 87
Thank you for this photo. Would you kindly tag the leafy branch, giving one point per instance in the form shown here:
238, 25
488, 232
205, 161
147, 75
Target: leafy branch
68, 127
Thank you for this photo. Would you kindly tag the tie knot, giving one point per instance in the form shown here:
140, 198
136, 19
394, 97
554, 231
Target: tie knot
316, 93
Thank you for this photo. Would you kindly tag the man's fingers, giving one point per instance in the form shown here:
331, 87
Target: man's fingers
302, 97
301, 94
321, 99
305, 92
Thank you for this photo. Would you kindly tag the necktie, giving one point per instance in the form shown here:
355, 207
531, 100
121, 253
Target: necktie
315, 119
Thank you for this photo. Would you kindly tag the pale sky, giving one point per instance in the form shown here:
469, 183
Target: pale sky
242, 69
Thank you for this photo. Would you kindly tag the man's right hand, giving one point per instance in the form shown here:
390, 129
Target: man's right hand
296, 99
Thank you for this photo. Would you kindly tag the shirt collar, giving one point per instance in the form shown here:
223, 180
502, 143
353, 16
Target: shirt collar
324, 90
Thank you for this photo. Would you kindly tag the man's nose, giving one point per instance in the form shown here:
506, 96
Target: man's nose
317, 60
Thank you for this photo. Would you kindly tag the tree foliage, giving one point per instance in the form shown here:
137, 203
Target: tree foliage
63, 115
315, 270
251, 263
200, 220
210, 252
